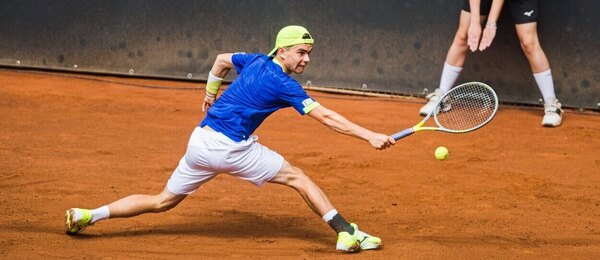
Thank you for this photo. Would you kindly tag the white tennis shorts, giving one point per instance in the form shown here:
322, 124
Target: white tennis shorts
210, 153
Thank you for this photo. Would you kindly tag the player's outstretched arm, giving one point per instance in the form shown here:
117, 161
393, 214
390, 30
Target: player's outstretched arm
342, 125
223, 64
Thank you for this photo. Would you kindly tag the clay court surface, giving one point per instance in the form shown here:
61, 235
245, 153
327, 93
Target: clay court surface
510, 190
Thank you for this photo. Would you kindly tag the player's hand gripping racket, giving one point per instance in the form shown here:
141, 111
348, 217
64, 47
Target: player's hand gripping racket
464, 108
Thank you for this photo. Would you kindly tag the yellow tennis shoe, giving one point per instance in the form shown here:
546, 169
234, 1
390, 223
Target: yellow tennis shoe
358, 241
367, 242
74, 226
347, 243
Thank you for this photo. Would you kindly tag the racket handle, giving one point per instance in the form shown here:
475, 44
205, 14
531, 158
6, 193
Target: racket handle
404, 133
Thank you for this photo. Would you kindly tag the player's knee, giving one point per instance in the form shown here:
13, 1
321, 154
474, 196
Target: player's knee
460, 40
163, 203
164, 206
529, 46
291, 176
298, 178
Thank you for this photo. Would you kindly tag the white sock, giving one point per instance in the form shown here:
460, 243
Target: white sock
329, 215
449, 76
545, 84
100, 214
77, 215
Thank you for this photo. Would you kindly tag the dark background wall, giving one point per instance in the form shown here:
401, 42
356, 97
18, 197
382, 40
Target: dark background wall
392, 46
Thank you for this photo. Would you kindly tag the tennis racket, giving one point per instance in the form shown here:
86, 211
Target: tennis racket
463, 109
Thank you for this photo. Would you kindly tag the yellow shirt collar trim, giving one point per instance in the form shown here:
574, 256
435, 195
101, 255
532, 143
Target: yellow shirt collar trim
278, 63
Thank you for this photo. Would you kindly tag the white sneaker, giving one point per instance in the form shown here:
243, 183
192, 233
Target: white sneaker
433, 98
552, 113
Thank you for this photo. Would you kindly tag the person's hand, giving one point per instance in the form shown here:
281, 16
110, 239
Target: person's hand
381, 141
488, 36
209, 100
473, 36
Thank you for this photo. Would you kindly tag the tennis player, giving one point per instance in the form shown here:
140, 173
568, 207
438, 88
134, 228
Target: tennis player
469, 34
223, 142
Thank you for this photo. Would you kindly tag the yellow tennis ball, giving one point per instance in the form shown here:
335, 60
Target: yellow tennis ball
441, 153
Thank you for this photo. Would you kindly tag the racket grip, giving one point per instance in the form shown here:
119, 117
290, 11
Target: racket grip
404, 133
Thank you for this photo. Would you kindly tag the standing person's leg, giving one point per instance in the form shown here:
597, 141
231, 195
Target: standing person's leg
350, 239
525, 14
540, 67
531, 47
455, 59
457, 54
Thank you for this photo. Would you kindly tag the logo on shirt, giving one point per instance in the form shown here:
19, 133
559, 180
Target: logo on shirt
528, 13
307, 102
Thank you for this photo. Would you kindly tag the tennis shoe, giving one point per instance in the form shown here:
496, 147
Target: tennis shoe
76, 220
552, 113
358, 241
432, 99
347, 243
367, 242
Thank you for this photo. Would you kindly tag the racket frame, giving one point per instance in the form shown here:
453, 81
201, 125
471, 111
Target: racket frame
419, 127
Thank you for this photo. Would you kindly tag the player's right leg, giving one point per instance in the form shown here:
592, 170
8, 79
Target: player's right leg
77, 219
350, 238
455, 59
193, 171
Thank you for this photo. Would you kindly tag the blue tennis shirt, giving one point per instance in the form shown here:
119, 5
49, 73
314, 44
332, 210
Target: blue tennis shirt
260, 89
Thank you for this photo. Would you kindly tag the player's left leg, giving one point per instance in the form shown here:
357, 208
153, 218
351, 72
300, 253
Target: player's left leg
350, 238
540, 67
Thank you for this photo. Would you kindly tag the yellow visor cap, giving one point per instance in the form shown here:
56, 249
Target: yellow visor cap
291, 35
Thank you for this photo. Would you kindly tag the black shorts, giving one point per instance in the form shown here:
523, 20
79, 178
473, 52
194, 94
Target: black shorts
522, 11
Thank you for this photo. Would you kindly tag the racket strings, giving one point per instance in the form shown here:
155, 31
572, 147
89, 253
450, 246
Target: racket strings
466, 108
